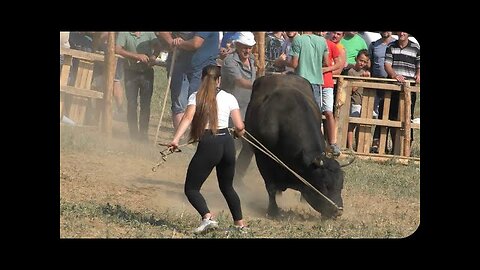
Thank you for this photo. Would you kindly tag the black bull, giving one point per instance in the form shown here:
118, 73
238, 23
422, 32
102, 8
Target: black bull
284, 117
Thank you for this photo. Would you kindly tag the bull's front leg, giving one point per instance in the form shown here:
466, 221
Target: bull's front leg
273, 210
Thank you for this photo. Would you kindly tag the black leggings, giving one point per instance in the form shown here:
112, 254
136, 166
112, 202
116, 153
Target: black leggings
213, 151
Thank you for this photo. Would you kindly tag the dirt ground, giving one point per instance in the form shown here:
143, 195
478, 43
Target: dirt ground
119, 177
118, 171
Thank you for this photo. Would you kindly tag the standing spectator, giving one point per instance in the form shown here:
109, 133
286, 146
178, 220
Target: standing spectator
238, 75
402, 62
359, 70
195, 50
286, 47
226, 46
273, 48
140, 49
309, 54
335, 63
336, 37
376, 50
353, 43
208, 111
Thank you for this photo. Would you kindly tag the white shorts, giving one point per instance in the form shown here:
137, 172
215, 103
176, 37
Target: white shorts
327, 100
355, 110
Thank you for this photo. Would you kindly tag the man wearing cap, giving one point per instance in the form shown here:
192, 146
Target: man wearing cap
238, 74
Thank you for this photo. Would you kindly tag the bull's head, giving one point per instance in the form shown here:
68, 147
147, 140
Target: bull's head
327, 177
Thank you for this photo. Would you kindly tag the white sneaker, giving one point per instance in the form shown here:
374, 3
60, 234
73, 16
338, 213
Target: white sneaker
206, 224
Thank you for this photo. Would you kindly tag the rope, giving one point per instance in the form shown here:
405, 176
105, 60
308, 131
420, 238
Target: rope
170, 151
166, 92
275, 158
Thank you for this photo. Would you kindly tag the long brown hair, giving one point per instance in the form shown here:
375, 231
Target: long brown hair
206, 109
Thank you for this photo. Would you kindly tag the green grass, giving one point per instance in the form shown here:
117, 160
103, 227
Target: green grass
160, 86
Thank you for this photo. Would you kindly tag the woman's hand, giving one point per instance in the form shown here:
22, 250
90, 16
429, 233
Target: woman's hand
173, 144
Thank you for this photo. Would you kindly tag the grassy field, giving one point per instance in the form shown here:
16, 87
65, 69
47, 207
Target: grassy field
107, 190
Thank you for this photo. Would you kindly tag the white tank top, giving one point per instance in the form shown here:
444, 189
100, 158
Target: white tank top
225, 104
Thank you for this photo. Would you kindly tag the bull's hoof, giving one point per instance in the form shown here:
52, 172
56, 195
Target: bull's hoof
273, 213
340, 212
332, 215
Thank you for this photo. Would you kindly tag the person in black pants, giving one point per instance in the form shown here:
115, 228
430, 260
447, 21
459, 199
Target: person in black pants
140, 50
208, 111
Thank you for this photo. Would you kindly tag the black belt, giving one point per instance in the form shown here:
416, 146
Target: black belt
220, 132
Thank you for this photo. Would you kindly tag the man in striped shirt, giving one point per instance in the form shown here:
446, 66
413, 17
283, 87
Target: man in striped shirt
402, 62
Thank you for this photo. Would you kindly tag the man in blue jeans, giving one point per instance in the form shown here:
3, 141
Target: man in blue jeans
195, 50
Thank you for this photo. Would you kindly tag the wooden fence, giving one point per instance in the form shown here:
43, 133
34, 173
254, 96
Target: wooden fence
366, 121
76, 99
79, 101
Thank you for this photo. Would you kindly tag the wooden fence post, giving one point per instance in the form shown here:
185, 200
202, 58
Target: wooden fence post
408, 112
342, 111
259, 52
110, 65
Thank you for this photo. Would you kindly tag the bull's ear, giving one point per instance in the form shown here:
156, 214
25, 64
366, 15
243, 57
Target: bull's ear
318, 162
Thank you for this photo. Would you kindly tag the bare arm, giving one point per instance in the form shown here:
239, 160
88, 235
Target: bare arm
184, 124
392, 74
341, 63
238, 122
293, 62
337, 66
191, 44
136, 56
167, 36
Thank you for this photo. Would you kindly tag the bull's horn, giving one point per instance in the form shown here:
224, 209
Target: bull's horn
350, 161
318, 162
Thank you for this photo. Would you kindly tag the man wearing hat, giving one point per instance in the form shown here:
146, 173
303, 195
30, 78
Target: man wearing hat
238, 75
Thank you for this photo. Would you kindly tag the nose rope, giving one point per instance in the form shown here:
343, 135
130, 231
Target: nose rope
275, 158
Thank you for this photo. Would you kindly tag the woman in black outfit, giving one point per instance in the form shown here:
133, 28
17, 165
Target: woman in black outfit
208, 111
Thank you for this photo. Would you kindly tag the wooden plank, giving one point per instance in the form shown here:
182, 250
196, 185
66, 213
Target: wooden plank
343, 94
110, 65
380, 122
81, 92
64, 74
383, 140
369, 78
407, 116
78, 104
415, 89
377, 157
82, 55
67, 65
260, 53
367, 129
342, 113
360, 130
380, 86
62, 104
399, 134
